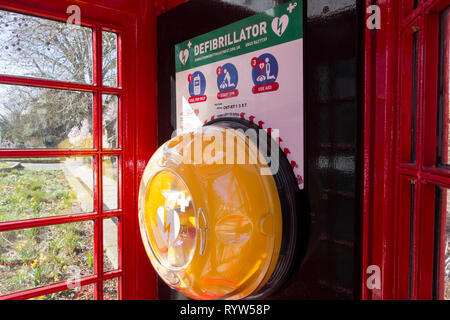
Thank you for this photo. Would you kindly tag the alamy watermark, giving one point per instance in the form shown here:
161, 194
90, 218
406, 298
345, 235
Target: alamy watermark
73, 281
374, 19
374, 280
74, 13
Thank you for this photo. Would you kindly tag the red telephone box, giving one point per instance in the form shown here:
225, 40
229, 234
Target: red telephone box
75, 141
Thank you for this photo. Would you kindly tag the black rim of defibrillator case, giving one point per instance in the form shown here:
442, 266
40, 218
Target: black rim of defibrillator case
288, 192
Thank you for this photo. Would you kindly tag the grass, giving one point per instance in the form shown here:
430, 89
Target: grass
29, 194
40, 256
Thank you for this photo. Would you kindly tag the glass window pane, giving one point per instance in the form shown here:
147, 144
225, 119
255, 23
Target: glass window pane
405, 237
110, 121
110, 183
36, 257
41, 118
409, 102
110, 244
41, 48
444, 89
109, 43
447, 258
442, 244
111, 289
79, 293
45, 187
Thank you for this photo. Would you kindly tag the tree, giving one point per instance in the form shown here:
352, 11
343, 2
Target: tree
41, 48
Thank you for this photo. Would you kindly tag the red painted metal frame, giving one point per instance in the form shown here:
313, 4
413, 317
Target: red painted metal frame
378, 203
146, 141
386, 208
137, 135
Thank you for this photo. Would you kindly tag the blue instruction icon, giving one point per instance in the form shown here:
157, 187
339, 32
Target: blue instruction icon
264, 69
197, 84
227, 77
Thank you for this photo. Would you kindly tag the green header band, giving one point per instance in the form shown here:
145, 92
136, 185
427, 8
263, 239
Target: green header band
272, 27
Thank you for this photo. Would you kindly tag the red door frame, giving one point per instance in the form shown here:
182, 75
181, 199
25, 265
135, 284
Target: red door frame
380, 56
386, 235
135, 20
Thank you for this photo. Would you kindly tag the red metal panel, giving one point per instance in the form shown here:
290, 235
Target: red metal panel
146, 137
379, 156
425, 250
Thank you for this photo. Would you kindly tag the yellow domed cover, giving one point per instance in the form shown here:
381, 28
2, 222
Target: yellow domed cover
211, 228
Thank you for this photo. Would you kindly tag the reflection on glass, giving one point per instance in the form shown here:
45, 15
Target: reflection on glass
109, 43
444, 87
44, 187
46, 49
41, 118
110, 121
111, 289
169, 202
110, 183
80, 293
110, 244
36, 257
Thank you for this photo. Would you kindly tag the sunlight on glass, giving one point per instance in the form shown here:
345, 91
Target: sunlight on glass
36, 257
41, 118
109, 43
110, 121
46, 49
33, 188
110, 244
110, 183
